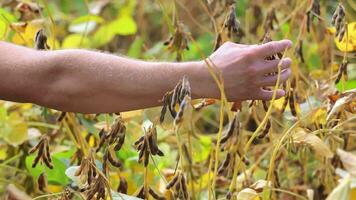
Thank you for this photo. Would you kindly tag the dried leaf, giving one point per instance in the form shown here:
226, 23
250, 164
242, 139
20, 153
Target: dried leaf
342, 191
300, 136
259, 185
247, 194
341, 102
349, 161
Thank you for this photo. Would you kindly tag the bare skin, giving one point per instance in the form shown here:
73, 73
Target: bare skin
92, 82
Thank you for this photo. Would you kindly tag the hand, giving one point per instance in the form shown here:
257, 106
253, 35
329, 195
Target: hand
244, 69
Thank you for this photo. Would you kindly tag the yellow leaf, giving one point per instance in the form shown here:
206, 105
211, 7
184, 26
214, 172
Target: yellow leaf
319, 116
349, 44
300, 136
54, 188
3, 152
25, 34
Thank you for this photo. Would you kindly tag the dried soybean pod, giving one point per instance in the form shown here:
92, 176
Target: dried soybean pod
265, 106
120, 142
48, 155
140, 140
230, 131
39, 155
184, 187
155, 195
141, 193
172, 182
217, 42
102, 135
61, 116
225, 163
42, 182
266, 130
292, 103
36, 147
146, 157
339, 73
46, 160
122, 186
285, 103
113, 160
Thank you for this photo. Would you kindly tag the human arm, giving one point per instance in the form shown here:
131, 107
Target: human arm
93, 82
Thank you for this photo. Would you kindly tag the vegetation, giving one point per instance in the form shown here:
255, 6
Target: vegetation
297, 147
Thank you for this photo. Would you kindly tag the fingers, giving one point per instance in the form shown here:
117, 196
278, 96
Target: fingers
270, 66
272, 48
267, 95
272, 80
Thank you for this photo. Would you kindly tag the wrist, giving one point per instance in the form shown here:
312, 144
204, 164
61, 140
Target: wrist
201, 81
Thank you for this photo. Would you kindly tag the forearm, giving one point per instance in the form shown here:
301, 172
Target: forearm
87, 81
92, 82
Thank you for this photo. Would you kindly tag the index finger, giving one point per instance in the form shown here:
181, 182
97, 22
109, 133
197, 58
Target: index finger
273, 47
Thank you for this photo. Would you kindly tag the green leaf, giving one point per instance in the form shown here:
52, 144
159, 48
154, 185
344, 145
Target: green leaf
12, 128
124, 25
6, 16
75, 41
350, 84
3, 29
87, 18
103, 36
136, 48
55, 175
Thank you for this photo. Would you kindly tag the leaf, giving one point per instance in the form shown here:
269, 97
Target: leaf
259, 185
135, 49
75, 41
350, 44
342, 191
300, 136
124, 25
348, 160
12, 128
70, 173
55, 176
347, 97
247, 194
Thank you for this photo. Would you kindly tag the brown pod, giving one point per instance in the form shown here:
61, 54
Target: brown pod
61, 116
48, 155
36, 147
266, 130
141, 193
42, 182
102, 135
265, 106
224, 165
217, 42
172, 182
119, 143
184, 187
113, 160
285, 103
292, 103
122, 186
46, 160
230, 131
155, 195
139, 141
146, 157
